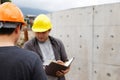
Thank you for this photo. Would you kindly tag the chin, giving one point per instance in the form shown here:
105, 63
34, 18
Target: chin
42, 41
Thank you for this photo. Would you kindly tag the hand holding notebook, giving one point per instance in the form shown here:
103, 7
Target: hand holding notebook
53, 67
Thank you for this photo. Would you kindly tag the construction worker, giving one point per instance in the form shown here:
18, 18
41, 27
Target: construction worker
47, 47
16, 63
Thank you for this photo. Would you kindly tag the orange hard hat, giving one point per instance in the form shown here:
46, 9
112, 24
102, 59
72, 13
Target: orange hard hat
9, 12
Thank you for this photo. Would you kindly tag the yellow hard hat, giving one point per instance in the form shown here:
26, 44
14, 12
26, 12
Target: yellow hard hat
41, 23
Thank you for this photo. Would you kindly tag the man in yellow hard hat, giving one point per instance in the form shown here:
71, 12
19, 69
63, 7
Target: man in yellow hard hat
16, 63
47, 47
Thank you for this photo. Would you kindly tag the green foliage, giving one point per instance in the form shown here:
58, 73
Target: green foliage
2, 1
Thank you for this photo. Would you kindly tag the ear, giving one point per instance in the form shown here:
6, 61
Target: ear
17, 29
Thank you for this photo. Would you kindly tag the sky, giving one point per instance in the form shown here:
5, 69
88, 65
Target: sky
57, 5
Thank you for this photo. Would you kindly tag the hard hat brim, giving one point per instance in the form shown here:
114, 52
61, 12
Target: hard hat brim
40, 30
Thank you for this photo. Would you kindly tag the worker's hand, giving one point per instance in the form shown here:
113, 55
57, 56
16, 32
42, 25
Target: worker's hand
60, 62
62, 72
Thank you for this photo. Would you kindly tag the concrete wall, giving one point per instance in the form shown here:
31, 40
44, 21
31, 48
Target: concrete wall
92, 36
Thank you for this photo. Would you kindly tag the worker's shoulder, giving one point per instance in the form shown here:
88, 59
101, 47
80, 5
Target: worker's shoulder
31, 41
25, 57
26, 53
55, 39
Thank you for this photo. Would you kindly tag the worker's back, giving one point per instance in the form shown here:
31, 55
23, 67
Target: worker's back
19, 64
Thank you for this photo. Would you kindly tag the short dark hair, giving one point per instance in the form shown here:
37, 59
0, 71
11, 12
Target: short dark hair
8, 27
6, 31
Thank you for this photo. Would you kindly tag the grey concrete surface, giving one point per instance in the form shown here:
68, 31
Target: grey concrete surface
92, 36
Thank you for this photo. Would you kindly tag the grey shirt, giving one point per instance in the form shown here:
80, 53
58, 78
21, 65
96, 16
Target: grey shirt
48, 55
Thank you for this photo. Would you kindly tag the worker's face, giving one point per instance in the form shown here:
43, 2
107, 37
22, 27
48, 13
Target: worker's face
42, 36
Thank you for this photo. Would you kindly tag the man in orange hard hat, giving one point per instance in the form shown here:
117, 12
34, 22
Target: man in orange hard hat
47, 47
16, 63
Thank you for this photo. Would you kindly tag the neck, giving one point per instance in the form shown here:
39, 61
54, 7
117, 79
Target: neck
6, 41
